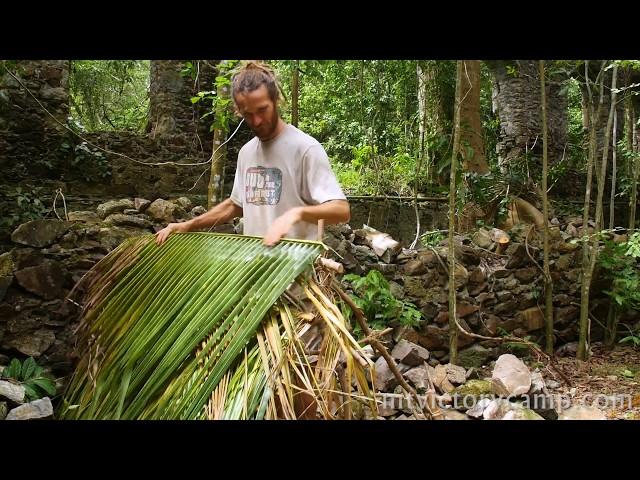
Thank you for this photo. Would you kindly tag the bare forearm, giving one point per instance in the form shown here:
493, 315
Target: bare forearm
333, 211
221, 213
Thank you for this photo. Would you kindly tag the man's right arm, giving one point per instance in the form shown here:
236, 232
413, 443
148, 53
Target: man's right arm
221, 213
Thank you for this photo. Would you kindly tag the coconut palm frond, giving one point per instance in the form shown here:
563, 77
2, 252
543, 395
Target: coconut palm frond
206, 327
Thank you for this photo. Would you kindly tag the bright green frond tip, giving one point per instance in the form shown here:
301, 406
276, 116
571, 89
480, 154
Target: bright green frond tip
161, 326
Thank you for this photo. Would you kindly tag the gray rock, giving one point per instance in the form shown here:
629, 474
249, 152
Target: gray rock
501, 273
385, 380
482, 239
496, 409
474, 356
184, 202
369, 352
552, 384
40, 233
41, 408
414, 287
486, 298
477, 275
3, 410
364, 254
506, 307
199, 210
114, 206
11, 391
418, 376
544, 405
111, 237
510, 376
450, 414
397, 290
57, 94
84, 217
582, 412
537, 382
456, 374
522, 413
476, 289
561, 300
5, 282
414, 267
45, 280
510, 283
141, 204
440, 380
517, 256
532, 318
7, 265
478, 409
33, 344
410, 353
127, 221
572, 275
564, 263
165, 211
526, 275
504, 296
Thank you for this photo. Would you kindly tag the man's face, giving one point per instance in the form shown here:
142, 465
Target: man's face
259, 111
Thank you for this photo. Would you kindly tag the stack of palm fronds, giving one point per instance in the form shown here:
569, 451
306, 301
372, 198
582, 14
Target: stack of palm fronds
210, 326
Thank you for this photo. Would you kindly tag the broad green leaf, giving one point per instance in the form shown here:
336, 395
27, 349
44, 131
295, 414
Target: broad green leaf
28, 368
45, 384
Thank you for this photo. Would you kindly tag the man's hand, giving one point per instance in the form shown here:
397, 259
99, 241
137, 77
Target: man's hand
281, 226
163, 234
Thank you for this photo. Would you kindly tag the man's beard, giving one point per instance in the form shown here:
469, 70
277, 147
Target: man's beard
273, 125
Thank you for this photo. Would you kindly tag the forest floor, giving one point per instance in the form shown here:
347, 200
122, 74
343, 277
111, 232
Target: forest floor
608, 375
610, 380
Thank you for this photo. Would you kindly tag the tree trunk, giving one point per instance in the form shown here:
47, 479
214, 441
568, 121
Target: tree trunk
471, 135
632, 160
584, 311
433, 99
518, 100
548, 284
216, 181
453, 328
295, 92
614, 166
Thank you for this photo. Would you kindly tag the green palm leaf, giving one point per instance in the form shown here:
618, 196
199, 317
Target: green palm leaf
161, 326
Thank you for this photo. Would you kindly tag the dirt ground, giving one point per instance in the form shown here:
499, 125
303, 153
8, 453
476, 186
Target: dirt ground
608, 373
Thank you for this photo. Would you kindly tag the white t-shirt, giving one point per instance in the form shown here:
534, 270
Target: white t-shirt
291, 170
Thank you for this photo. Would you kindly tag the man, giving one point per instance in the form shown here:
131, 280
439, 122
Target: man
284, 184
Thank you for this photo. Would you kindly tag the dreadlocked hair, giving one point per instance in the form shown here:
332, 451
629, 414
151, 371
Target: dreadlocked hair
250, 74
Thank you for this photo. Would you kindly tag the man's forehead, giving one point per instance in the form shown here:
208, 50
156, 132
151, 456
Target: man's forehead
255, 99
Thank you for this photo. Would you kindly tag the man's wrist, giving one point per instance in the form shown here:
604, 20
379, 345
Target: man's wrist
297, 214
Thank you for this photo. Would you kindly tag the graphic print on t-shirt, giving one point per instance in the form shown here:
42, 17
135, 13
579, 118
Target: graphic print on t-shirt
263, 186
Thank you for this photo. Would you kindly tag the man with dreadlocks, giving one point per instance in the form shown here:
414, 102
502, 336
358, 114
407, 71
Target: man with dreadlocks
283, 184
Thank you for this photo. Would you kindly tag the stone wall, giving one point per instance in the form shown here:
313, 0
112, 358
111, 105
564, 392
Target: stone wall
40, 156
30, 138
397, 217
496, 292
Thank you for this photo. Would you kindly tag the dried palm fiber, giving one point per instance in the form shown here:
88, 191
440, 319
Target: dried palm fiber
204, 327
